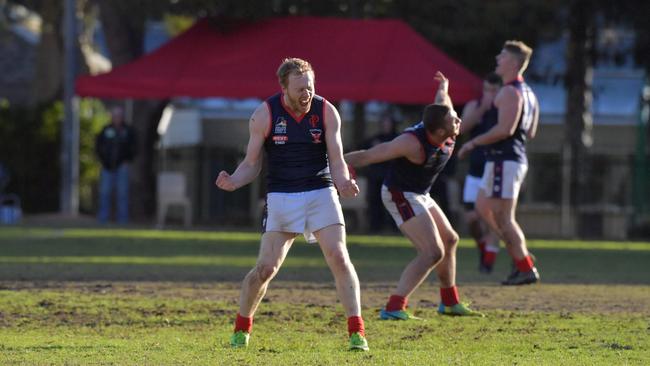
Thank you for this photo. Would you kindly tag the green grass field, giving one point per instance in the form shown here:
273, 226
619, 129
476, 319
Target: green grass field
139, 297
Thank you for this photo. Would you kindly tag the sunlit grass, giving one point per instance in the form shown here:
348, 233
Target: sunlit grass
74, 326
366, 240
51, 311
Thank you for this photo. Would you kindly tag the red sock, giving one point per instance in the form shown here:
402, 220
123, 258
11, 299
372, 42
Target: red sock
355, 325
449, 296
396, 302
524, 264
243, 324
489, 257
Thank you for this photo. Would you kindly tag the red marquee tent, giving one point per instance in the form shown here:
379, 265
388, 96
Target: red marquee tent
356, 60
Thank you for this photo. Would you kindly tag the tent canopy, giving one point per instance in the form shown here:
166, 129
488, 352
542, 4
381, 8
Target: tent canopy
357, 60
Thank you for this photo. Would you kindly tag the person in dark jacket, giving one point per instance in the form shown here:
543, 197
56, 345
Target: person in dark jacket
115, 147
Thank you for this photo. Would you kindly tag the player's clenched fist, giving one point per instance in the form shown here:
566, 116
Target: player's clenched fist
348, 189
225, 182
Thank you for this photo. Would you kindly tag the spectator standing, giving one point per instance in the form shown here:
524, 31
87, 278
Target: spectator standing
115, 147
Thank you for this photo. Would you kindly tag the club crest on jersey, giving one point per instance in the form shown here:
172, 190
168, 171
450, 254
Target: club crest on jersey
313, 120
280, 126
315, 135
280, 140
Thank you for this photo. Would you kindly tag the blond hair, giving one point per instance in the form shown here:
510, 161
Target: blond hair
521, 51
292, 65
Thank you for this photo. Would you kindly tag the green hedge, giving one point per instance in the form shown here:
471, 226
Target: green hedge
30, 146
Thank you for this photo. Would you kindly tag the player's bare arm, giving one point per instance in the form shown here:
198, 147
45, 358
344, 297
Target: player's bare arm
250, 167
508, 101
405, 145
347, 187
442, 94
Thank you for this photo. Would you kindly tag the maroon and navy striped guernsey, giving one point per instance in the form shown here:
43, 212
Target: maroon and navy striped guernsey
513, 148
296, 148
405, 176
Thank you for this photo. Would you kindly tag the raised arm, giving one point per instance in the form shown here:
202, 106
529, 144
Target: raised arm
347, 187
250, 167
442, 94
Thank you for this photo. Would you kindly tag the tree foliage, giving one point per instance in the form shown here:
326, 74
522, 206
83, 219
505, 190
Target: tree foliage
458, 27
31, 139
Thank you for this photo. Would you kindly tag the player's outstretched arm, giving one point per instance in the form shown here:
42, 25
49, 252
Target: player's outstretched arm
404, 145
250, 167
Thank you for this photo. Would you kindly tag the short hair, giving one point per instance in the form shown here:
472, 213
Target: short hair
292, 65
493, 78
433, 116
520, 50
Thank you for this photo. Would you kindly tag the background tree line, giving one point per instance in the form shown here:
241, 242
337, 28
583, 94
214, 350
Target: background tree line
470, 31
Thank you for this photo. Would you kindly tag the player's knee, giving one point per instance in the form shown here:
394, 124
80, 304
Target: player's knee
503, 222
451, 241
338, 260
433, 256
266, 271
482, 208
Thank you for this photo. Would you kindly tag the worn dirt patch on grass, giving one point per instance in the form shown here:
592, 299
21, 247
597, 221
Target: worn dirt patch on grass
534, 298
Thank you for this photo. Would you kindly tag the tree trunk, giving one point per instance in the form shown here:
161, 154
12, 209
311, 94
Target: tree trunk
123, 23
49, 54
578, 82
146, 115
359, 124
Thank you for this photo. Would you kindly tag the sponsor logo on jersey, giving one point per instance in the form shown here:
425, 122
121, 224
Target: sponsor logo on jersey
280, 126
280, 140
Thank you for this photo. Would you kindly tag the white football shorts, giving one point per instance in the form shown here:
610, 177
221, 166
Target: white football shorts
503, 179
404, 205
471, 188
302, 212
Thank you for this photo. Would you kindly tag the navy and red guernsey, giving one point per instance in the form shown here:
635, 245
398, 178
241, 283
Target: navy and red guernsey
513, 148
405, 176
296, 148
477, 156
